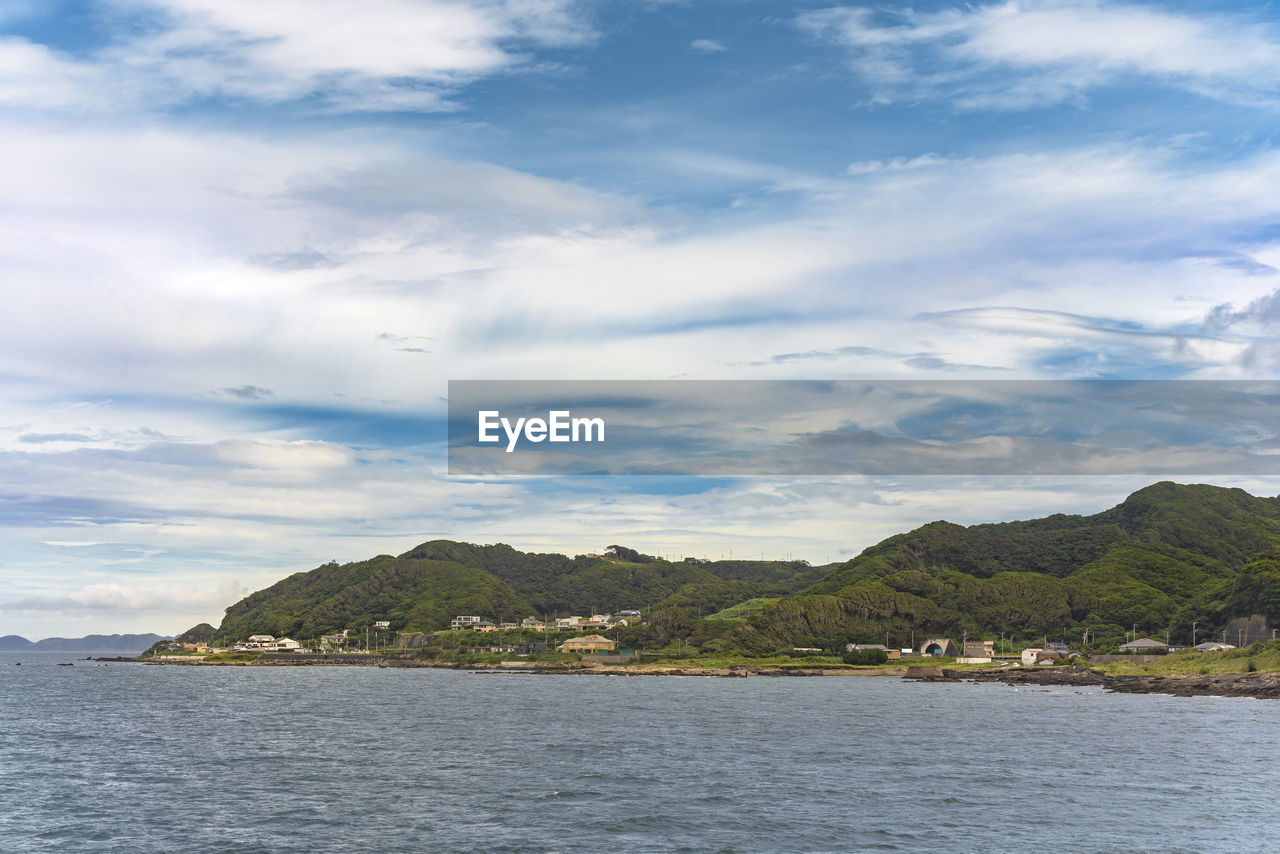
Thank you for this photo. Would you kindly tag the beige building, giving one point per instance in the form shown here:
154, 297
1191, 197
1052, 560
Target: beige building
588, 643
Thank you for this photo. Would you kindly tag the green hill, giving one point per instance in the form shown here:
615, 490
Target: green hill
424, 588
1166, 557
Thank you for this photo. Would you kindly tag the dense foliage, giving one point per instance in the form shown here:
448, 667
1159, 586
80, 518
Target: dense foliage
202, 633
423, 589
1170, 559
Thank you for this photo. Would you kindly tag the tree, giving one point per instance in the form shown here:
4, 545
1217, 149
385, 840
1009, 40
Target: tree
629, 555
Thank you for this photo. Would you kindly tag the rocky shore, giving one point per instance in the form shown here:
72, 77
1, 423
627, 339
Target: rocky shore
1265, 686
571, 668
1262, 686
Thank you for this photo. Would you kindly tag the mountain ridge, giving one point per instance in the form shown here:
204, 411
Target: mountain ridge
1167, 556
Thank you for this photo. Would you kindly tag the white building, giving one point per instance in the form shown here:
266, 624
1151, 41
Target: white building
461, 624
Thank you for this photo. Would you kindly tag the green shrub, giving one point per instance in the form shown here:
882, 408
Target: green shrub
866, 656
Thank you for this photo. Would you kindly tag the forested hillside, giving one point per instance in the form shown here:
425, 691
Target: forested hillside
422, 589
1166, 557
1169, 555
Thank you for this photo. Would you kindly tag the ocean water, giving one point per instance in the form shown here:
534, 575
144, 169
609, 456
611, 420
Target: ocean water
132, 758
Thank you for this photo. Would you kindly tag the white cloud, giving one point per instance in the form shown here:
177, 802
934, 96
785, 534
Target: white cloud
32, 74
115, 597
707, 46
1018, 54
378, 55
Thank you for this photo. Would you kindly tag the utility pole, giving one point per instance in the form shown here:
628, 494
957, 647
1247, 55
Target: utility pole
1193, 632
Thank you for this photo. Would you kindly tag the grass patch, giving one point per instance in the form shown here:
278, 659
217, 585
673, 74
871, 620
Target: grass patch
742, 610
1264, 658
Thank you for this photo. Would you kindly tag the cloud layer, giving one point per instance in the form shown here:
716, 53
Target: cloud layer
246, 244
1013, 55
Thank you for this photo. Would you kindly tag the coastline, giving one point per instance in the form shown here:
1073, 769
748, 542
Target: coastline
566, 668
1263, 686
1260, 686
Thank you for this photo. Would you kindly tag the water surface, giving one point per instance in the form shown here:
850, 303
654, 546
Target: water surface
131, 758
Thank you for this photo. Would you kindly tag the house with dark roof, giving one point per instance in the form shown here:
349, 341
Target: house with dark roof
1146, 645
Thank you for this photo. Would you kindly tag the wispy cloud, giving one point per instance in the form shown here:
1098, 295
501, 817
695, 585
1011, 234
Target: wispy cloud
43, 438
242, 293
707, 46
386, 55
249, 392
1013, 55
119, 599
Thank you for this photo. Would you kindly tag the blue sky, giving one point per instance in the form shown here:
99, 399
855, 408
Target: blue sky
246, 243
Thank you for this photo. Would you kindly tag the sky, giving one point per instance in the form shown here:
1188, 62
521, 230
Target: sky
245, 244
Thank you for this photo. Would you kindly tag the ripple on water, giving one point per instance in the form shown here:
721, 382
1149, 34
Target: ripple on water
142, 759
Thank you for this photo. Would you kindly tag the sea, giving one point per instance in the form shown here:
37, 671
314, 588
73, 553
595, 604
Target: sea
116, 757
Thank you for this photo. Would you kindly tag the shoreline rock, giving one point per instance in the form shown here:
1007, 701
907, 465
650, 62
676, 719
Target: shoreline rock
1263, 686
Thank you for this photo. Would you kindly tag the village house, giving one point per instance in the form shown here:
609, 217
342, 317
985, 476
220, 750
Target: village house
335, 641
527, 648
532, 623
1029, 655
979, 648
1212, 646
512, 648
481, 650
892, 653
483, 626
1146, 645
588, 643
463, 623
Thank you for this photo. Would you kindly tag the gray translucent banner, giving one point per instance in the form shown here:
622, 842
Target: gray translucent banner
892, 427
